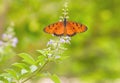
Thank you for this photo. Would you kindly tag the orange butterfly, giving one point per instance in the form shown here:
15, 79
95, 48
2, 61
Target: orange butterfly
65, 28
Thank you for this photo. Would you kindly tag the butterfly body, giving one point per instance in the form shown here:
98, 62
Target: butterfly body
64, 22
65, 27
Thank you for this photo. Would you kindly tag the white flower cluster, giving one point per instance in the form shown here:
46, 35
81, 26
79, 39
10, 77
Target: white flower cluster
65, 12
63, 39
56, 47
8, 39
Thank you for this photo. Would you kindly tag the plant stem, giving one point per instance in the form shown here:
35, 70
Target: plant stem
36, 72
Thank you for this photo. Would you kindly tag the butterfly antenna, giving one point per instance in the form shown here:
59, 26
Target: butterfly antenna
65, 12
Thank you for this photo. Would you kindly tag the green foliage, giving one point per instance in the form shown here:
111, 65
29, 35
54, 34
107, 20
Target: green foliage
27, 58
20, 65
13, 73
29, 67
55, 78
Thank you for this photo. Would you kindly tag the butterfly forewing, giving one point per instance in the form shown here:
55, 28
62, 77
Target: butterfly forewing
56, 29
59, 29
49, 29
70, 30
78, 27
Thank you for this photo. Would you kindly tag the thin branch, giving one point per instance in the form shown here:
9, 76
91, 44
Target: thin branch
34, 73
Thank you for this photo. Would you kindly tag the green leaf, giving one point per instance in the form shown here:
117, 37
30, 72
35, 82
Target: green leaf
20, 65
41, 52
12, 73
41, 60
5, 78
44, 52
55, 78
27, 58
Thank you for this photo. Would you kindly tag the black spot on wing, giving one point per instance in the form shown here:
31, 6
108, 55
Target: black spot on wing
49, 26
81, 25
56, 28
73, 28
76, 24
56, 23
73, 23
53, 25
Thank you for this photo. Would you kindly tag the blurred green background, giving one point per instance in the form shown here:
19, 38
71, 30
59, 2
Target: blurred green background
94, 56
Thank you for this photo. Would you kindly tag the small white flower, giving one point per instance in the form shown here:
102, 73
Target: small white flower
33, 68
61, 17
1, 43
10, 36
4, 36
65, 13
23, 71
50, 42
67, 17
62, 40
8, 79
14, 42
57, 57
49, 55
67, 41
55, 44
68, 38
